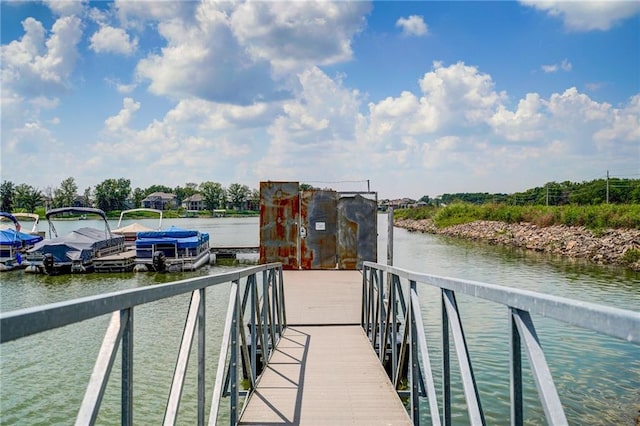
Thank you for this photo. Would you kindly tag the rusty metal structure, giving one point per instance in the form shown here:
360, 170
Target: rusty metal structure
317, 229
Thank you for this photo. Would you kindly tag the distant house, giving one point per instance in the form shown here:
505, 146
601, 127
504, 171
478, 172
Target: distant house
160, 201
401, 203
195, 202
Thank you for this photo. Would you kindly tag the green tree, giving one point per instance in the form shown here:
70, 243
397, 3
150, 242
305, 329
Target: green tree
425, 199
238, 195
28, 197
86, 197
305, 187
254, 200
7, 194
66, 194
137, 196
157, 188
112, 194
212, 194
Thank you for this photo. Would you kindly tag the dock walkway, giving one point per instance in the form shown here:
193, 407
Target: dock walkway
324, 370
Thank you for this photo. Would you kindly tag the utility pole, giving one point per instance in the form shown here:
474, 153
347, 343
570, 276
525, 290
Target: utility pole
607, 186
547, 195
368, 186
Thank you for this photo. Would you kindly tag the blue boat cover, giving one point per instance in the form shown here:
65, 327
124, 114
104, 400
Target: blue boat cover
77, 245
181, 238
171, 232
11, 237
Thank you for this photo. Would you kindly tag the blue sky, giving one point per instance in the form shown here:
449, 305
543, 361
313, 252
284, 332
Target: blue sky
419, 98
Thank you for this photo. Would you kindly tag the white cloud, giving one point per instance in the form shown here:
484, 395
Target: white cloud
315, 135
120, 121
293, 35
203, 59
414, 25
460, 94
623, 125
67, 7
113, 40
39, 66
136, 14
587, 15
565, 65
525, 124
243, 53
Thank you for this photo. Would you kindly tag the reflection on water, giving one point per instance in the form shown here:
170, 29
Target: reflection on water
43, 377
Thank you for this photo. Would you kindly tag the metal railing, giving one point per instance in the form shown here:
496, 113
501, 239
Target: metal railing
392, 318
262, 298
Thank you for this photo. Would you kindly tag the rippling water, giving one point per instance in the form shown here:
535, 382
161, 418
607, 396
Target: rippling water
43, 377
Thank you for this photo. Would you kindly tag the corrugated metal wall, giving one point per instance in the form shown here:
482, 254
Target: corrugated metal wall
357, 231
318, 234
279, 221
317, 229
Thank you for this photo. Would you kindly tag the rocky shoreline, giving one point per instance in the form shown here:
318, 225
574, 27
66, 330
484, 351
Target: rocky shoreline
610, 247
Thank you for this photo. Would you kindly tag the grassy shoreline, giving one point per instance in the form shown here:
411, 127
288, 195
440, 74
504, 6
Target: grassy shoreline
595, 218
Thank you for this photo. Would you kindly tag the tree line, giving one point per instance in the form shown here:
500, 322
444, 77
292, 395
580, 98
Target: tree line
117, 194
598, 191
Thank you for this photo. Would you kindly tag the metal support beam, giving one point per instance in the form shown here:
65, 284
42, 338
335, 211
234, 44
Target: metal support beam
90, 407
126, 317
541, 373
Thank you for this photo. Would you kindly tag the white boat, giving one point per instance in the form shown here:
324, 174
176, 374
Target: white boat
130, 232
172, 250
75, 251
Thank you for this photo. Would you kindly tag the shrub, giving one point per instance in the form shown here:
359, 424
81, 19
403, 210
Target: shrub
595, 217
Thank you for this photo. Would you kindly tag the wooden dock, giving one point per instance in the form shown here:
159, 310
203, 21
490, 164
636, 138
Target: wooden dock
324, 370
120, 262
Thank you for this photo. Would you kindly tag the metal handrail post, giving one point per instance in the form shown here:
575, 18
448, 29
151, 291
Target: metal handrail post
94, 393
541, 373
284, 303
429, 389
380, 315
363, 299
126, 317
446, 365
413, 360
393, 313
175, 394
222, 359
274, 309
515, 370
201, 355
254, 331
233, 361
265, 321
474, 406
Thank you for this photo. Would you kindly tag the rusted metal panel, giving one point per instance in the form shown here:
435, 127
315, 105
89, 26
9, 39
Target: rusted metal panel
318, 232
279, 223
357, 231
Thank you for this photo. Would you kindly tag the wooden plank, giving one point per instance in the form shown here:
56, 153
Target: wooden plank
129, 254
323, 297
324, 375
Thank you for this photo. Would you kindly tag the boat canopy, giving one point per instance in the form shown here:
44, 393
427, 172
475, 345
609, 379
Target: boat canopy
12, 218
11, 237
76, 245
82, 210
134, 228
141, 209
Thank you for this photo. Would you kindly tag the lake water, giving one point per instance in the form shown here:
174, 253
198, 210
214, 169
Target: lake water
43, 377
